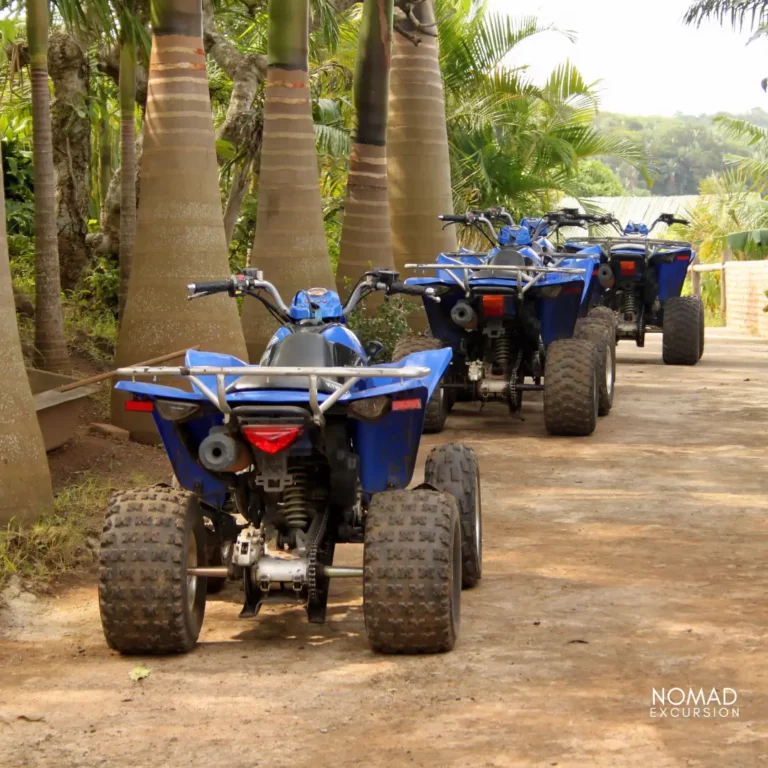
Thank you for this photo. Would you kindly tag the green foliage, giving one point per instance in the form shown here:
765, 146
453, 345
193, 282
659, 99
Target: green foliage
57, 542
387, 324
595, 179
682, 150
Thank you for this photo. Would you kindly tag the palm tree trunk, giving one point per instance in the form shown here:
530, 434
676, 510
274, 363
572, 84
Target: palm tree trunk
365, 235
289, 243
50, 345
180, 229
105, 152
241, 177
418, 162
128, 163
24, 477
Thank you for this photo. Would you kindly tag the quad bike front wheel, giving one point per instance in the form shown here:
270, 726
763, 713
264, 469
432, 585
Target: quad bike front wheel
439, 403
605, 315
147, 600
412, 572
599, 333
571, 387
682, 331
454, 469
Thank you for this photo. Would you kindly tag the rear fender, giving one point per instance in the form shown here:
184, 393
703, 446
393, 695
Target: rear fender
672, 276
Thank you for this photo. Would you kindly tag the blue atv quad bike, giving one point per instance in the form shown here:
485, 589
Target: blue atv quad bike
640, 281
278, 463
511, 324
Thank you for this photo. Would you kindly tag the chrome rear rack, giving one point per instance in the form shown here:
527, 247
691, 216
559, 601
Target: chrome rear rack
527, 276
219, 397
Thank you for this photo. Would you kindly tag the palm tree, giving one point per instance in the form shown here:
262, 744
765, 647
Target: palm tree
289, 243
180, 229
127, 151
50, 344
740, 13
418, 162
365, 234
24, 475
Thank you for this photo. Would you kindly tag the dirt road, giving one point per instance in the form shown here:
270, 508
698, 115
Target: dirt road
631, 560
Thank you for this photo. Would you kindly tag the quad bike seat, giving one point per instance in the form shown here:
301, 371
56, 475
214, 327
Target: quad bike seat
295, 350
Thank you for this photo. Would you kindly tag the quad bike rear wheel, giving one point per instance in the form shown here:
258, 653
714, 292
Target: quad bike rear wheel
440, 403
605, 315
702, 334
412, 572
148, 601
599, 333
681, 342
571, 387
455, 469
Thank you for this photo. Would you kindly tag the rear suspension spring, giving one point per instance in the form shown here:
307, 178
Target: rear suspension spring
501, 351
629, 305
296, 499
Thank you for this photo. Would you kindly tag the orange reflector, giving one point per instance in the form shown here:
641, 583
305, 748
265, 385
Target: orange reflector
406, 405
627, 267
142, 406
493, 306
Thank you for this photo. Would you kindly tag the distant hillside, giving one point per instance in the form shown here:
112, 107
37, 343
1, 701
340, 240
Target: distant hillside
684, 149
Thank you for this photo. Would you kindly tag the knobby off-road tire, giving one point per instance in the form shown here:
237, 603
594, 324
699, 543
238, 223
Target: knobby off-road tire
455, 469
604, 314
599, 333
412, 572
438, 405
148, 604
681, 342
571, 388
702, 332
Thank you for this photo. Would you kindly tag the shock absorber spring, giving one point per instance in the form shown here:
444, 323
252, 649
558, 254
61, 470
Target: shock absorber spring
501, 351
629, 305
296, 498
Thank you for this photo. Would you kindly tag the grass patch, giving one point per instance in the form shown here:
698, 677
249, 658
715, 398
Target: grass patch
62, 541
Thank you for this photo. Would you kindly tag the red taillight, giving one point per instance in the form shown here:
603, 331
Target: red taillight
142, 406
683, 258
572, 290
627, 268
406, 405
271, 439
493, 306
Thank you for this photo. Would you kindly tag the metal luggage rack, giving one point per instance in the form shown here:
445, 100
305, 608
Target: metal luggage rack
611, 242
219, 397
527, 277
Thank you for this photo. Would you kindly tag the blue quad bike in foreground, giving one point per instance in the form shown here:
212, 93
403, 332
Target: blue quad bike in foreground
276, 464
510, 321
640, 281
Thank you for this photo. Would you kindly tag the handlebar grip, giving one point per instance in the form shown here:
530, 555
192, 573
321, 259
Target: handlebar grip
452, 218
212, 286
408, 290
684, 222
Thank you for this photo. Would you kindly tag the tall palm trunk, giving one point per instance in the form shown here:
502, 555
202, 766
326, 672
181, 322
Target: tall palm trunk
128, 161
418, 162
180, 229
50, 345
105, 151
289, 243
25, 484
365, 233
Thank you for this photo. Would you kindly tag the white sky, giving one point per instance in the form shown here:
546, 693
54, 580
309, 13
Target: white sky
648, 61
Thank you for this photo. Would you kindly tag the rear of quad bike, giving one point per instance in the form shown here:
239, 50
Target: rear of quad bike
441, 401
420, 548
683, 331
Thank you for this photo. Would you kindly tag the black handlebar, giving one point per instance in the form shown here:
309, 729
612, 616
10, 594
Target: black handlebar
451, 218
410, 290
214, 286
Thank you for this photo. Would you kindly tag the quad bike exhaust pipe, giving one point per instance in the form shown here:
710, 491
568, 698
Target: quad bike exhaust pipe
329, 571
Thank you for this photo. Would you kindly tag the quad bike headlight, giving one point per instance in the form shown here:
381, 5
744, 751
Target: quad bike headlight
371, 408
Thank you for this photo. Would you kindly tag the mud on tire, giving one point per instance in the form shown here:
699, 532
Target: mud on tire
571, 389
438, 405
412, 572
681, 342
605, 315
599, 333
454, 469
147, 602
